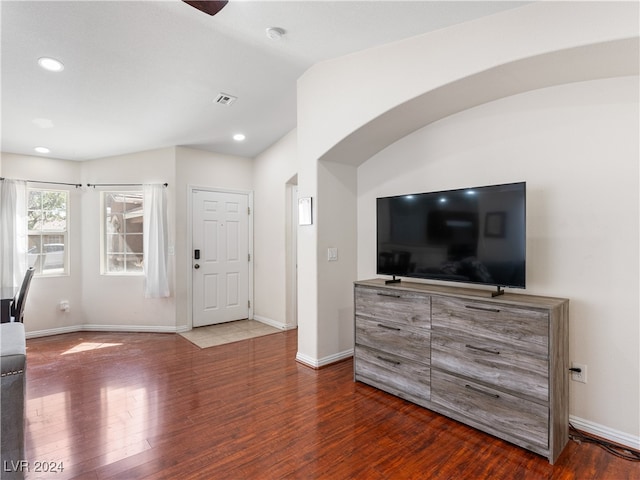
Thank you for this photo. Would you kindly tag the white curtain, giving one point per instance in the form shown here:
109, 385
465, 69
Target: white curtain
155, 241
13, 232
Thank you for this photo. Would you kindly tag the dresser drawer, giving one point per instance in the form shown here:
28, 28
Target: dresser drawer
403, 340
399, 306
385, 369
526, 329
500, 413
498, 364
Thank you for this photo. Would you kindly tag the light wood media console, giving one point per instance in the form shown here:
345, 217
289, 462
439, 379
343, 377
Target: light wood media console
499, 364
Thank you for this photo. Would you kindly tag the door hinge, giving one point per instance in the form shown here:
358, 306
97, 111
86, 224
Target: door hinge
248, 210
248, 303
249, 256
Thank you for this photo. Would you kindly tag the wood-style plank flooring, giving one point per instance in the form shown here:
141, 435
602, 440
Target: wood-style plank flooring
155, 406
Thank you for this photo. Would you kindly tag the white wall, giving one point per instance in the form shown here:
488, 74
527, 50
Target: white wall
199, 168
271, 171
117, 300
353, 107
104, 302
337, 185
42, 311
576, 146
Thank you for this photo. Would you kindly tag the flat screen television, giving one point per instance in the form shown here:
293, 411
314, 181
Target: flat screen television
472, 235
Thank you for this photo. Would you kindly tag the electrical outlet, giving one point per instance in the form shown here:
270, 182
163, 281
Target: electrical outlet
580, 376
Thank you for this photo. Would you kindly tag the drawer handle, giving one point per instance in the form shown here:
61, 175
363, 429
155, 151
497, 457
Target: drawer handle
388, 327
483, 309
388, 360
477, 390
480, 349
393, 295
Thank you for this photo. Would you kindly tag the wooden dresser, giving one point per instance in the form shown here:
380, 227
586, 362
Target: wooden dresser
499, 364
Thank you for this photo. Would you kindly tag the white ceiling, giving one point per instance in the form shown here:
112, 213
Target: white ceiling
141, 75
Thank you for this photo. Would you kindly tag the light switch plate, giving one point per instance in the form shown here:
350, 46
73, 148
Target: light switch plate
332, 254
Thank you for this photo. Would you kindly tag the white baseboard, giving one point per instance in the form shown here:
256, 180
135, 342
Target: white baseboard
321, 362
53, 331
102, 328
273, 323
130, 328
616, 436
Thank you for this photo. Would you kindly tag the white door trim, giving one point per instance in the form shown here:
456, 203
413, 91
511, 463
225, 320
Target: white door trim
291, 317
189, 262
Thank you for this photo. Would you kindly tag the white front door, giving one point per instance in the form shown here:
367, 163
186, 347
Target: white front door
220, 257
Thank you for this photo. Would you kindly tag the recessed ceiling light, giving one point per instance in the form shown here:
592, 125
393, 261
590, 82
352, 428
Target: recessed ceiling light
42, 150
238, 137
50, 64
275, 33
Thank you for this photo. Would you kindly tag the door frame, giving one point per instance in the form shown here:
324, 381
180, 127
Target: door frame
189, 266
291, 241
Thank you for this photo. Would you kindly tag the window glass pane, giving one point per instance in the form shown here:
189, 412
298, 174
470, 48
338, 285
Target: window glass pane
134, 244
54, 221
115, 263
115, 244
34, 220
53, 254
53, 200
47, 224
54, 206
133, 225
114, 223
123, 232
134, 263
35, 199
34, 252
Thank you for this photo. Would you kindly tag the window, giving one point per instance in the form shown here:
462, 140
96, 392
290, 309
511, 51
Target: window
122, 243
47, 237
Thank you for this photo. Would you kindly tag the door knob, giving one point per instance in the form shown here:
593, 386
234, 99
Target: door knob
196, 266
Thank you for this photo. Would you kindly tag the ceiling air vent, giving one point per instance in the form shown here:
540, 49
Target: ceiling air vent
225, 99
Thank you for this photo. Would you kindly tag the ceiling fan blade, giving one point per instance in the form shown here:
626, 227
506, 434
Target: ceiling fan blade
210, 7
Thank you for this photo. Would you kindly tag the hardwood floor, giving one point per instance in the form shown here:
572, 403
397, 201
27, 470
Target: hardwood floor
154, 406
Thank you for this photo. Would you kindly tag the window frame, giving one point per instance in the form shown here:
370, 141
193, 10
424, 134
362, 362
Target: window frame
42, 233
104, 235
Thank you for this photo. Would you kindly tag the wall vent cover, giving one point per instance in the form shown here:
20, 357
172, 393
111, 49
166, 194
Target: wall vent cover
225, 99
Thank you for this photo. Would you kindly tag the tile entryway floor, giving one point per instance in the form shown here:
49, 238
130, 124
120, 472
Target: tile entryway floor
222, 333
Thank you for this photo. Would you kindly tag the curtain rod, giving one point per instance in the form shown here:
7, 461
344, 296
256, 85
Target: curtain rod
94, 185
77, 185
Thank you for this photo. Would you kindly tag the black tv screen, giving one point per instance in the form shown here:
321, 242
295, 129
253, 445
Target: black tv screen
472, 235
